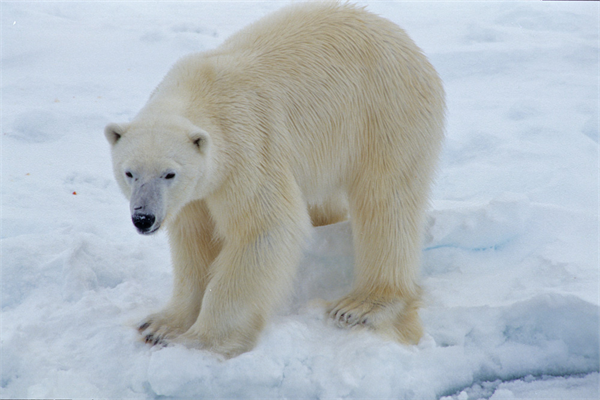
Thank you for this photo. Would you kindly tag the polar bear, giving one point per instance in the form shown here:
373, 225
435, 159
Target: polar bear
312, 114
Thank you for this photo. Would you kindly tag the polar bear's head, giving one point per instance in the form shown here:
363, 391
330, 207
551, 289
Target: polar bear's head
160, 166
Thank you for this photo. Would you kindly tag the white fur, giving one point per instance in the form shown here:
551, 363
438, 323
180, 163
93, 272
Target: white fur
310, 113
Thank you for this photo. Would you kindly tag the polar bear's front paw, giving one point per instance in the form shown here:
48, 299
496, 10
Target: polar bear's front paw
363, 310
160, 328
154, 333
395, 317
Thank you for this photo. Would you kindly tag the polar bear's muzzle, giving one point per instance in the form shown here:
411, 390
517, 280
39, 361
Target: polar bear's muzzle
144, 223
147, 206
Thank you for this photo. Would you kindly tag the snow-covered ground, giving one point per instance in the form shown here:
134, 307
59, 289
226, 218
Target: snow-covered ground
510, 260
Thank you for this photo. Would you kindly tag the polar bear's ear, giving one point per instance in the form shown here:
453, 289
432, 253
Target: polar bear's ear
113, 132
200, 139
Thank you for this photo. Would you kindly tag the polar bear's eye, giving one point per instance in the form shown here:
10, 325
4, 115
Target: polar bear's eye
170, 176
128, 174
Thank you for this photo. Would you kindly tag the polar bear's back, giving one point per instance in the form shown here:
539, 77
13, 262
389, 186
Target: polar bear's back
342, 78
330, 52
299, 41
326, 83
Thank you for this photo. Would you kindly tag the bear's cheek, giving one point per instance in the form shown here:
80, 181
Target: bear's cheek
176, 197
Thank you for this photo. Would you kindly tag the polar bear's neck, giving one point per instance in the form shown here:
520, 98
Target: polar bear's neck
179, 92
161, 104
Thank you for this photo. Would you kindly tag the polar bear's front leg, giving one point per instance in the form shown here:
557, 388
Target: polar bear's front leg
249, 280
263, 233
193, 249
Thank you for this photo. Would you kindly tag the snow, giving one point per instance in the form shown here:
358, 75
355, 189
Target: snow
510, 259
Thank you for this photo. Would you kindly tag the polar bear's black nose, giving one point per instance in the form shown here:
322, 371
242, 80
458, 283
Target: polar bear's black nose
143, 221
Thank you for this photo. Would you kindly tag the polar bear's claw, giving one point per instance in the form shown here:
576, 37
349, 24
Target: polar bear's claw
154, 340
144, 326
